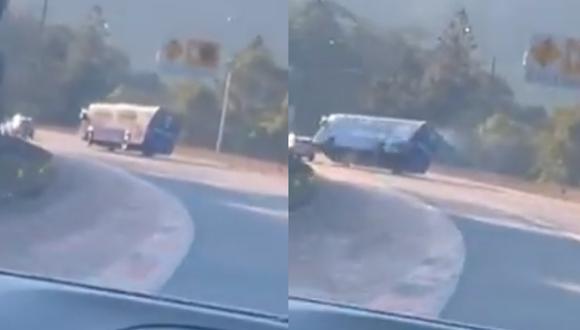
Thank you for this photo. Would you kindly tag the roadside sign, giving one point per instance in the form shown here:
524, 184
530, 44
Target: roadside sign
553, 61
186, 56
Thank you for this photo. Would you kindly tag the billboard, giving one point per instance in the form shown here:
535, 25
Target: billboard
179, 56
553, 61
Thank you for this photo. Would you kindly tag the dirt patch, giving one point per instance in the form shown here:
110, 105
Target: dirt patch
233, 161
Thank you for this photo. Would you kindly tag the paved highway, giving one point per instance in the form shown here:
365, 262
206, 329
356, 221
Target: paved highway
362, 244
239, 254
516, 279
520, 268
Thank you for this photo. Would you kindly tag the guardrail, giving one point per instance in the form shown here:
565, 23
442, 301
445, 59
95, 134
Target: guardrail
25, 169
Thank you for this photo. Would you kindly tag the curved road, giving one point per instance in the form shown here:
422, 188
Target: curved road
521, 250
521, 269
362, 244
517, 279
239, 255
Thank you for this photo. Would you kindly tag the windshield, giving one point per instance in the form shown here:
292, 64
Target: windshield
473, 218
157, 161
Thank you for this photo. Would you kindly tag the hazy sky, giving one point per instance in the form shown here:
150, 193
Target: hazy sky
142, 26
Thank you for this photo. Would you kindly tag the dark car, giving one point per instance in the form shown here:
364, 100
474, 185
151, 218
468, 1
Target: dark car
21, 127
302, 146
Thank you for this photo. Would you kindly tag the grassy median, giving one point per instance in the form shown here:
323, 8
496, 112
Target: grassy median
300, 183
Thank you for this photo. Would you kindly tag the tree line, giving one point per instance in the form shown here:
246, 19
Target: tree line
53, 71
341, 63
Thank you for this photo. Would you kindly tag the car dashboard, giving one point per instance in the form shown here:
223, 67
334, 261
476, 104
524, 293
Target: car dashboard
32, 303
308, 314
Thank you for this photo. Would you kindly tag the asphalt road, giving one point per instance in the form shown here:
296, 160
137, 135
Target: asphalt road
521, 250
516, 279
239, 254
361, 244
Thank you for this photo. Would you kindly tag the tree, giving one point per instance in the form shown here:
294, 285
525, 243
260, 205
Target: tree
200, 111
457, 44
258, 88
3, 5
258, 83
506, 146
559, 148
327, 73
141, 88
55, 73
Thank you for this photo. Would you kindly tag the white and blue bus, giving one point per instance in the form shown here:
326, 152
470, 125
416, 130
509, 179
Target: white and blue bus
148, 129
399, 144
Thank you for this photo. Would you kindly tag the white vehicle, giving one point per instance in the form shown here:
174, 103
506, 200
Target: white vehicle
19, 126
398, 144
149, 129
301, 146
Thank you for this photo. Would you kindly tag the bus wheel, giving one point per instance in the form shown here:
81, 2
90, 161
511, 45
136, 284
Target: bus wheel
111, 148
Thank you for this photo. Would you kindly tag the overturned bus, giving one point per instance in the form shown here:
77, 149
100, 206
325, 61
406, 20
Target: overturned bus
398, 144
148, 129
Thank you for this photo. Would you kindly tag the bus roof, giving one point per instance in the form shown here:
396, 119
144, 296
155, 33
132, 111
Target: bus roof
392, 120
125, 106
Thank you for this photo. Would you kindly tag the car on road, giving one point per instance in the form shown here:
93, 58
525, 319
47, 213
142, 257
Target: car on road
302, 146
401, 145
19, 126
148, 129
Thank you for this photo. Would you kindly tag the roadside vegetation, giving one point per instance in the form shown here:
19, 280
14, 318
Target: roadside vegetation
341, 63
55, 70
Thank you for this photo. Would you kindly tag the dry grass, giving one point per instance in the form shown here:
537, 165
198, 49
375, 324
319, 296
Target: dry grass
544, 189
234, 161
225, 159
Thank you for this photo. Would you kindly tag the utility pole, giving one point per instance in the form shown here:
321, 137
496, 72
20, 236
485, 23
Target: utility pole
493, 60
44, 14
225, 105
3, 6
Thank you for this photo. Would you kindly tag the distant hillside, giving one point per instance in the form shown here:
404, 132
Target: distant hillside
141, 26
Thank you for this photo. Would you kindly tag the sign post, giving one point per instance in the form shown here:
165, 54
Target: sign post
225, 105
191, 58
